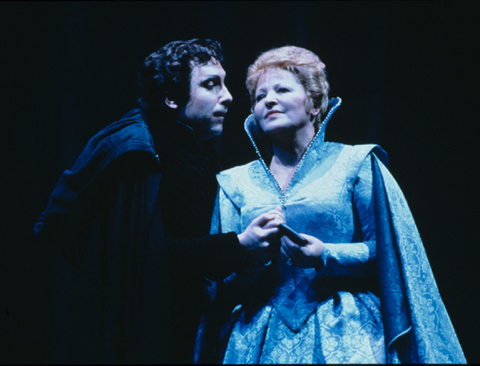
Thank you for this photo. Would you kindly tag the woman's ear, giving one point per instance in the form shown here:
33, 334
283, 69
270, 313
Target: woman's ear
313, 113
171, 103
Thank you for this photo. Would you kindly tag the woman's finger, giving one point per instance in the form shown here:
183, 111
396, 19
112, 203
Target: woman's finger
292, 247
284, 255
276, 213
285, 244
273, 223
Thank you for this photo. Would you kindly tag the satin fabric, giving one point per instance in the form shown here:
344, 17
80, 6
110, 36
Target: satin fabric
331, 314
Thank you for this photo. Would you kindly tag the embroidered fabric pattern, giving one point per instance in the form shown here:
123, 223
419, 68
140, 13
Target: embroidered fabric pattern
333, 315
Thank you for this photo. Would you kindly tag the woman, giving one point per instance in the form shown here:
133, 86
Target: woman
361, 290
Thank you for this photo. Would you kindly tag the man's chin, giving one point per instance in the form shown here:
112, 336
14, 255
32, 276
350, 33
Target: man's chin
213, 132
216, 130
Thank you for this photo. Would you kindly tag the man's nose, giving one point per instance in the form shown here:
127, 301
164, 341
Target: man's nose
226, 97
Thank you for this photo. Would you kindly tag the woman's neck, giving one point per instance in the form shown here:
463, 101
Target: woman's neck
287, 155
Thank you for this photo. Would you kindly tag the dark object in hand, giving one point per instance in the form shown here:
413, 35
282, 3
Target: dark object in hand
292, 235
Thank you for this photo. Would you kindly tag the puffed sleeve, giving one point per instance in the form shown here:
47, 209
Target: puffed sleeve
226, 216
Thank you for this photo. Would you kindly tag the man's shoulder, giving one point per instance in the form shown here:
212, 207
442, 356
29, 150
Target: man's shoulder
130, 129
130, 133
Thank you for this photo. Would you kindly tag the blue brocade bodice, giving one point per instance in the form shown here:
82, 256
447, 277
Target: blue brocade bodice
307, 315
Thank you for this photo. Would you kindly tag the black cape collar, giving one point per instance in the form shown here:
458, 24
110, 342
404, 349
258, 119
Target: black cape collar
172, 132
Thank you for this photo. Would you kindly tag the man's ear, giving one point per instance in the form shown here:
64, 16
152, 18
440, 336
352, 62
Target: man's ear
171, 103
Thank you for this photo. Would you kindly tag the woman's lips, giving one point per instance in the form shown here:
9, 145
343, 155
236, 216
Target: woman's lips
272, 113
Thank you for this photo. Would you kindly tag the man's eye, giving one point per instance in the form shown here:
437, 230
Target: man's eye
210, 84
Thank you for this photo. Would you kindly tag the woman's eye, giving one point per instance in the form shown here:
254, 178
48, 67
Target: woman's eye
282, 90
259, 97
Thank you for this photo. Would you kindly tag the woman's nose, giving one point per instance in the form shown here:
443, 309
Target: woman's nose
270, 100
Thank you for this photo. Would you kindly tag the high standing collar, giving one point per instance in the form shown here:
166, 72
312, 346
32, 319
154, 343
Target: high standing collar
263, 144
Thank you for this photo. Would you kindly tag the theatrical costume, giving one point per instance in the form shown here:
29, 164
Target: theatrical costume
371, 299
132, 217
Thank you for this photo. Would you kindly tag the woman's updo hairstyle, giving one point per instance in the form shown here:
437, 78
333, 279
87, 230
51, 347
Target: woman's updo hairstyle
304, 64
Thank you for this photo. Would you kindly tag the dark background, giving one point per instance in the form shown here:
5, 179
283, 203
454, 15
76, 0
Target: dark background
407, 73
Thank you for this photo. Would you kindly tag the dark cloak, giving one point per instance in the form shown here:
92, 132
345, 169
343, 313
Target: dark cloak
111, 303
104, 218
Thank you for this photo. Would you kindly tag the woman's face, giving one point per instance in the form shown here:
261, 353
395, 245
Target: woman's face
281, 104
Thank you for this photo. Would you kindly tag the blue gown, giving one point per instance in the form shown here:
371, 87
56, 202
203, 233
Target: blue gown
362, 305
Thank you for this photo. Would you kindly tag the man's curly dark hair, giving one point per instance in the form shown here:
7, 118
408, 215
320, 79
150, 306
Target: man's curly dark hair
166, 72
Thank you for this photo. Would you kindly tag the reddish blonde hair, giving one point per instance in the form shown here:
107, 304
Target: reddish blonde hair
303, 64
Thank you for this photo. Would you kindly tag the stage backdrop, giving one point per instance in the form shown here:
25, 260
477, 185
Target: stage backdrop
407, 73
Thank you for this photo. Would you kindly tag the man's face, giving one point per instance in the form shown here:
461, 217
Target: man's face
209, 98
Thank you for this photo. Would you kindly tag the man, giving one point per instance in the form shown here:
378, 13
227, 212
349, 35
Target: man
133, 217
